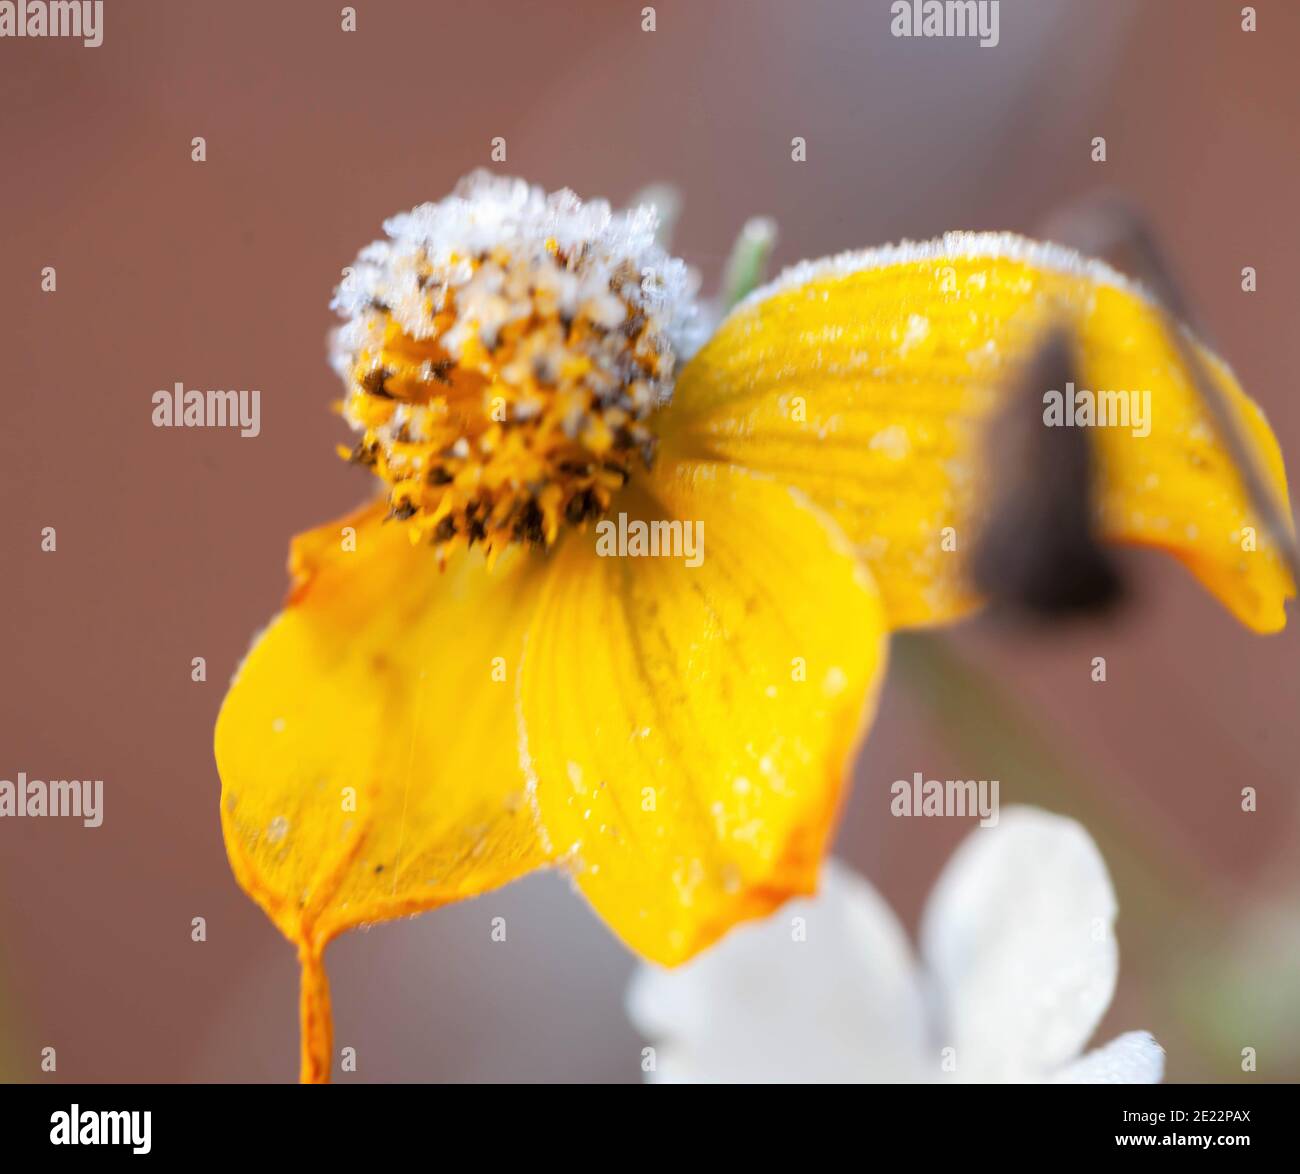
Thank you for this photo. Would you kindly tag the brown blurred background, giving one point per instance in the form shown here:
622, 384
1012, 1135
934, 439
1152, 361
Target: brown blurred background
171, 544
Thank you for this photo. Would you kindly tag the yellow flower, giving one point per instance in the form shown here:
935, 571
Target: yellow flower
422, 723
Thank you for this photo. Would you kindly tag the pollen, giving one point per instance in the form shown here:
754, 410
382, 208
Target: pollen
504, 353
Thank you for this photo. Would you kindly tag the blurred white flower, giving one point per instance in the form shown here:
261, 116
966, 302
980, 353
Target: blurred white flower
1018, 965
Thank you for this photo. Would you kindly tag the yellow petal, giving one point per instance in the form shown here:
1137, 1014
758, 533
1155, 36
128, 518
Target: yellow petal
367, 746
864, 381
689, 728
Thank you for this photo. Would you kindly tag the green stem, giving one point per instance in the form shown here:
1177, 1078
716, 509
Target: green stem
748, 261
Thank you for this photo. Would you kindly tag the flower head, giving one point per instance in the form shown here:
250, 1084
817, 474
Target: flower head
1018, 965
504, 353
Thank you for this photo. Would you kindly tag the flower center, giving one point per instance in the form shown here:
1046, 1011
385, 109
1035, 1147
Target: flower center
503, 356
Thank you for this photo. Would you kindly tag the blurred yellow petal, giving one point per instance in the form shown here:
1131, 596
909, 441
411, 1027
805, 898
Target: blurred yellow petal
864, 381
689, 729
367, 746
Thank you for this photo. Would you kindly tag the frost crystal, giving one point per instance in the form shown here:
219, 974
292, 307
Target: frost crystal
487, 213
950, 246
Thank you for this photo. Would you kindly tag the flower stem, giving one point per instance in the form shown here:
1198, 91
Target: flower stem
317, 1025
748, 262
